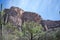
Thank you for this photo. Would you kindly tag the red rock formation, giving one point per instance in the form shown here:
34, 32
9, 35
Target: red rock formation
17, 16
50, 24
13, 15
31, 16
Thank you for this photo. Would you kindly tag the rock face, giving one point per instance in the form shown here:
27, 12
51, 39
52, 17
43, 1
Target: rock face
13, 15
31, 16
50, 24
17, 16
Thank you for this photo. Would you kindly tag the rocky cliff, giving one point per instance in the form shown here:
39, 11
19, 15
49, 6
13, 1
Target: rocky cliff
17, 16
13, 15
50, 24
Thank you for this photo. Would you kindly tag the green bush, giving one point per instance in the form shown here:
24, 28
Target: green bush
32, 30
10, 32
58, 34
51, 35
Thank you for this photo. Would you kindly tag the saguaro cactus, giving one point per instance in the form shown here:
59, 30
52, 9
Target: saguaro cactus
0, 13
0, 22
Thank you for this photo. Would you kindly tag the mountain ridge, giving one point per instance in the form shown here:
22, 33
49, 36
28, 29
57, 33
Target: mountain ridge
17, 16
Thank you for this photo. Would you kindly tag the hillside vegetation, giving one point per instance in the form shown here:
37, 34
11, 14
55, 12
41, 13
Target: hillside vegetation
28, 30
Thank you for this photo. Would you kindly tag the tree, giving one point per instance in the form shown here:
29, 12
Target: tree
32, 29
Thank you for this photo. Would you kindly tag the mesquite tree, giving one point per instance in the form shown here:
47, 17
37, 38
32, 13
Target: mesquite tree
32, 30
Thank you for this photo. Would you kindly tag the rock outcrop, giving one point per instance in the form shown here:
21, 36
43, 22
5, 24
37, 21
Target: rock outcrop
31, 16
13, 15
49, 24
17, 16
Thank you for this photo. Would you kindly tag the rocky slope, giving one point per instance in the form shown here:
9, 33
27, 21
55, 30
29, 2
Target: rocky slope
49, 24
17, 16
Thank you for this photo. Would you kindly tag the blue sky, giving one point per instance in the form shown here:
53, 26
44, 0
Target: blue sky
48, 9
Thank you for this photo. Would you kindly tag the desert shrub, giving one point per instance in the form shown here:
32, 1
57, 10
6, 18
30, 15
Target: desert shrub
10, 32
58, 34
32, 30
51, 35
